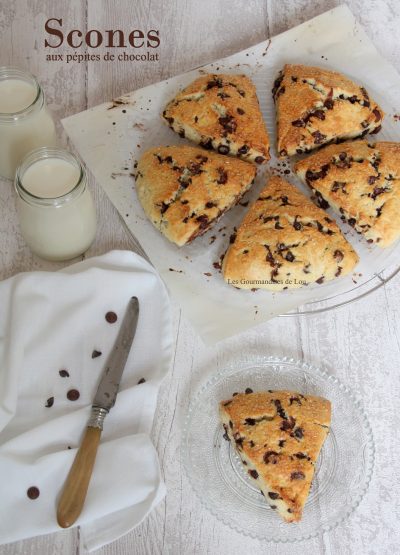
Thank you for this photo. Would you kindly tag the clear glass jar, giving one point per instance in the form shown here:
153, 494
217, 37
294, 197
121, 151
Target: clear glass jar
25, 123
55, 208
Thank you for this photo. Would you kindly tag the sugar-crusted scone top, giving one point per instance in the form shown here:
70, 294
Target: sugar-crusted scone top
184, 189
221, 112
316, 106
285, 241
361, 181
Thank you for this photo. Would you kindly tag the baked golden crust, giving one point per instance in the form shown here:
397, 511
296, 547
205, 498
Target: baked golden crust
278, 435
361, 181
184, 189
285, 241
316, 106
221, 112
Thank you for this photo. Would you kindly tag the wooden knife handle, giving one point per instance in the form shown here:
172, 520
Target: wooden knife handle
74, 493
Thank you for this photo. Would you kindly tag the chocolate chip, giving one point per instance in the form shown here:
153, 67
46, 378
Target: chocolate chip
283, 152
297, 475
277, 84
240, 111
298, 432
251, 443
320, 114
377, 114
274, 495
294, 400
33, 492
210, 204
338, 271
271, 457
352, 222
290, 256
142, 380
259, 159
282, 442
320, 280
288, 425
321, 201
234, 394
217, 82
364, 124
248, 390
223, 149
376, 130
231, 424
298, 123
243, 149
372, 179
300, 456
49, 402
222, 176
297, 226
250, 421
96, 353
207, 144
203, 221
228, 123
64, 373
253, 474
319, 137
338, 255
73, 395
232, 238
328, 104
111, 317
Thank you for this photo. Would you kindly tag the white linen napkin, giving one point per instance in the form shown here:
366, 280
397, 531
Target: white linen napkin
56, 321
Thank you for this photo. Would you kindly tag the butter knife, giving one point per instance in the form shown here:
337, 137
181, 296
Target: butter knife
75, 488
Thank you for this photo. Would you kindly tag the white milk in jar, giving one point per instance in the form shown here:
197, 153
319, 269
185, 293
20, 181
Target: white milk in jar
25, 123
55, 208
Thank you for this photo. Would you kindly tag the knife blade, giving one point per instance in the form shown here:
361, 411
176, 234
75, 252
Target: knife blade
76, 485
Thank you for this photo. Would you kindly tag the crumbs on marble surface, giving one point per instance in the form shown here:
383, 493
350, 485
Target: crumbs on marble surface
177, 271
266, 49
140, 126
212, 239
120, 102
396, 117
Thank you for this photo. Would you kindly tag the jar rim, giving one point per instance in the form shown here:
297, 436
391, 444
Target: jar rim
7, 72
44, 153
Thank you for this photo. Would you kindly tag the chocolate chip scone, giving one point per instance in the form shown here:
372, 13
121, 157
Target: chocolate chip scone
285, 241
221, 112
278, 436
316, 106
184, 190
361, 181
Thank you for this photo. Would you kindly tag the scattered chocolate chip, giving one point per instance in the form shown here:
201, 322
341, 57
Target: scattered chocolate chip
234, 394
240, 111
377, 114
217, 82
111, 317
259, 159
320, 280
321, 201
352, 222
320, 114
328, 104
288, 424
290, 256
64, 373
281, 442
33, 492
207, 144
372, 179
248, 390
277, 84
273, 506
142, 380
319, 137
297, 475
228, 123
210, 204
300, 456
73, 395
294, 400
376, 130
283, 152
299, 123
253, 474
49, 402
96, 353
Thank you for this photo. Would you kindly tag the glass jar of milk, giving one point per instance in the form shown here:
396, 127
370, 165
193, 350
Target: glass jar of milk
25, 123
55, 207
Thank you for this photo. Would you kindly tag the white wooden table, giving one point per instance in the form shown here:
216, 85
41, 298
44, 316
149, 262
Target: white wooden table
359, 343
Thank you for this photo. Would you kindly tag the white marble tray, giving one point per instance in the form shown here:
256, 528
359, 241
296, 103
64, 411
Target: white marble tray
112, 136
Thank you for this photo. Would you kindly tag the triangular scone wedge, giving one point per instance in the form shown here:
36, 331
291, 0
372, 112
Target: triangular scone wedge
361, 181
221, 112
184, 190
316, 106
284, 242
278, 435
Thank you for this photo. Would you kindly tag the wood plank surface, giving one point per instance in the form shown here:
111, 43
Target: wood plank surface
359, 343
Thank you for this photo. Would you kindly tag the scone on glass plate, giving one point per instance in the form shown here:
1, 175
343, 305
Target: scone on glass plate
184, 190
361, 181
278, 436
221, 112
316, 106
286, 241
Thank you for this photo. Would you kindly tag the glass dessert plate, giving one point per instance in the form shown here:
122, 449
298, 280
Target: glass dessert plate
343, 470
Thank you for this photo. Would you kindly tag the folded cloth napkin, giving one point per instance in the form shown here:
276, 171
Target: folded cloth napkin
54, 339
